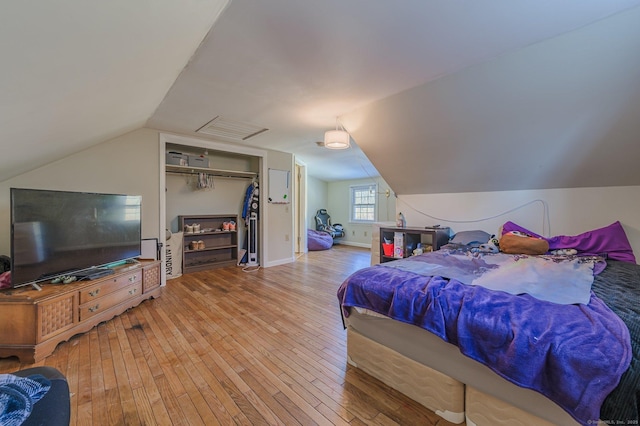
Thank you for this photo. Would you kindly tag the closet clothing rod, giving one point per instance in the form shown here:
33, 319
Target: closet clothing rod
210, 172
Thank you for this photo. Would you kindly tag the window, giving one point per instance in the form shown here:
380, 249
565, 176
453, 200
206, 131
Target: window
363, 203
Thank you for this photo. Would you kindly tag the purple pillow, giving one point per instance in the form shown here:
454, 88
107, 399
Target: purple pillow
610, 240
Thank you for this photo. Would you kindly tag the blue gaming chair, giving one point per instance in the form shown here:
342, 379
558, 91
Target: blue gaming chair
323, 223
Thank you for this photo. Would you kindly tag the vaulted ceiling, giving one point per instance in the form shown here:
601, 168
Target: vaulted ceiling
438, 96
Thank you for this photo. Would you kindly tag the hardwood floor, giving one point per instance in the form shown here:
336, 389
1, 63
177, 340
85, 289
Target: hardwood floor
233, 348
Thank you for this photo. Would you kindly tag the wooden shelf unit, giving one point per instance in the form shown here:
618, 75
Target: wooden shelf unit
33, 323
220, 247
431, 239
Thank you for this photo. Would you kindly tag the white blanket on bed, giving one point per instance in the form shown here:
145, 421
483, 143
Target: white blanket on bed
565, 281
559, 279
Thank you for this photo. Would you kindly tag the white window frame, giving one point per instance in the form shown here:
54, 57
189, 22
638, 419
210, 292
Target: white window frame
373, 188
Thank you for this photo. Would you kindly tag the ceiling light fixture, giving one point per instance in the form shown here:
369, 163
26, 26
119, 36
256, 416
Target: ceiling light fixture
337, 139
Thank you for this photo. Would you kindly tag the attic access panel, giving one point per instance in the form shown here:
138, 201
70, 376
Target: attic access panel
229, 129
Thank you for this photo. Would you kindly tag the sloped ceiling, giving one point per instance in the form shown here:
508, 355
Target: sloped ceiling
562, 113
75, 73
441, 96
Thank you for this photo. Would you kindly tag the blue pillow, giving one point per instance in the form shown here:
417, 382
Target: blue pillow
470, 238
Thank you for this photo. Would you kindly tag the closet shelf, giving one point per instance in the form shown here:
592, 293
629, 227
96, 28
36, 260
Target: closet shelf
212, 172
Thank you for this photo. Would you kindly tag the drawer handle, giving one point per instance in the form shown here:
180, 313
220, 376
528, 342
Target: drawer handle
94, 293
94, 308
133, 291
132, 278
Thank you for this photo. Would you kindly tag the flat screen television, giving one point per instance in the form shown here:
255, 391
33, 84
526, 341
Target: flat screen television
56, 233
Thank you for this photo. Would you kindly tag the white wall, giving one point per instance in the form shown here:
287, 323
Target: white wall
275, 220
124, 165
317, 198
182, 197
358, 234
570, 211
130, 164
227, 197
279, 229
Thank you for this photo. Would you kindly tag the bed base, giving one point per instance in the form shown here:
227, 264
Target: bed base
483, 409
435, 374
407, 376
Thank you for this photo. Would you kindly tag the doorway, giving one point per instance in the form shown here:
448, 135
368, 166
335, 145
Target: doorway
300, 206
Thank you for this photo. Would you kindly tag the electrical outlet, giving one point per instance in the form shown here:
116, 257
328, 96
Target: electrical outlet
286, 237
365, 233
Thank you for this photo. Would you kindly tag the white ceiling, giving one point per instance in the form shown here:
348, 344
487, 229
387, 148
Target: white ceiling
441, 96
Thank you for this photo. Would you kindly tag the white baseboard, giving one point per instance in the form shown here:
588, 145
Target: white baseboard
355, 244
279, 262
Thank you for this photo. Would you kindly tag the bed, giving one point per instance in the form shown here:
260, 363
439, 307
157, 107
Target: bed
431, 327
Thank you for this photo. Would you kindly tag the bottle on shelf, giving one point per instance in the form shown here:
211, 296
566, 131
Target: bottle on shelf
400, 221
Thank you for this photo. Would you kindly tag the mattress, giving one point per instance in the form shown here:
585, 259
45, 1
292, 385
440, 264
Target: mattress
425, 348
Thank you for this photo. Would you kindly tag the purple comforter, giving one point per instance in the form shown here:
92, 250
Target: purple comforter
572, 354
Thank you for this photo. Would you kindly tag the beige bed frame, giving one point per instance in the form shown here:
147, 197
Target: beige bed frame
434, 373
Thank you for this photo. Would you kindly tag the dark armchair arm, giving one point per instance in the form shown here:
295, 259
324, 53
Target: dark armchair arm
55, 406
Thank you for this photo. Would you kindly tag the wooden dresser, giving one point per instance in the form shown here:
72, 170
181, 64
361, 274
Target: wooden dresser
33, 322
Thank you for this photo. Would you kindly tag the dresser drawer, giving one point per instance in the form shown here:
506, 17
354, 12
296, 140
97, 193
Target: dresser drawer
109, 286
101, 304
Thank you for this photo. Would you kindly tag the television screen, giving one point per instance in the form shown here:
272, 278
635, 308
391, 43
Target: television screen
60, 232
